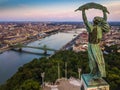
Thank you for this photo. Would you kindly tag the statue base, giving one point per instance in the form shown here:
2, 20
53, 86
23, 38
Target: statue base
93, 84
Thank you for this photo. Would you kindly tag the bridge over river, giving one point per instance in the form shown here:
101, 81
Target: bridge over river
19, 46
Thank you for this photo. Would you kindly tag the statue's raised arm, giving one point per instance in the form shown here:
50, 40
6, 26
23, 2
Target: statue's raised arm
104, 15
92, 5
95, 6
87, 24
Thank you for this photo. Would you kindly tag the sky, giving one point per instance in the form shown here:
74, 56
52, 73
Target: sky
54, 10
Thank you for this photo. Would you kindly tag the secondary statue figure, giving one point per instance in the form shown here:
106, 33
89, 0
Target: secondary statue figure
95, 32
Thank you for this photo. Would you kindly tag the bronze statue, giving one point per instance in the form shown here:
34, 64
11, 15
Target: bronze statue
95, 31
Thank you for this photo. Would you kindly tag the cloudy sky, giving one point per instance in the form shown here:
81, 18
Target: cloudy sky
53, 10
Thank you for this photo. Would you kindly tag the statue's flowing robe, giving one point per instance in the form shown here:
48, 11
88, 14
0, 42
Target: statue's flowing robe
96, 60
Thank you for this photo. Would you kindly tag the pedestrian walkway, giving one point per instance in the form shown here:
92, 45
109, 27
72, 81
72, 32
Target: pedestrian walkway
70, 84
50, 87
75, 82
54, 87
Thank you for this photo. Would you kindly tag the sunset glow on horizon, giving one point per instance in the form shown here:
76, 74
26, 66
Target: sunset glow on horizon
52, 10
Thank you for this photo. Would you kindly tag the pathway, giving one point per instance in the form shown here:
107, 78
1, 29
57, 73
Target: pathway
70, 84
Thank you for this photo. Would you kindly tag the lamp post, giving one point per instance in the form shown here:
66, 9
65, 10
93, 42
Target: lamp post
43, 75
58, 70
66, 70
79, 72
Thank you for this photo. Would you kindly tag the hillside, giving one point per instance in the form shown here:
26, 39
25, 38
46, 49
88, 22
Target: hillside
28, 77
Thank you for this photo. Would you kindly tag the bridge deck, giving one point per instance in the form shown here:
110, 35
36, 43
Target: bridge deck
24, 46
40, 48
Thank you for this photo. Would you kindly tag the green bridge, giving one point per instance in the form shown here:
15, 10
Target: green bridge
20, 46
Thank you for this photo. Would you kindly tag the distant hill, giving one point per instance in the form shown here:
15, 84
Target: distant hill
114, 23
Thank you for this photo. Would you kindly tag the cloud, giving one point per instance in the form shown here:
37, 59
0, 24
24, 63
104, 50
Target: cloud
57, 12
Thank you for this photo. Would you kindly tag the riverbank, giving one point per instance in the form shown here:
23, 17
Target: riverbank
69, 45
6, 48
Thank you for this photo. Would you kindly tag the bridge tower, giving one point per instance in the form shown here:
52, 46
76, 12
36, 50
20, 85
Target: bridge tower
45, 49
20, 49
19, 45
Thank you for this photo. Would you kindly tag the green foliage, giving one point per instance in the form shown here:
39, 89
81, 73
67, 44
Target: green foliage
28, 85
113, 68
29, 76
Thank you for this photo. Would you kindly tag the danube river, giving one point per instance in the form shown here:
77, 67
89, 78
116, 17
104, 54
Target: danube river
10, 60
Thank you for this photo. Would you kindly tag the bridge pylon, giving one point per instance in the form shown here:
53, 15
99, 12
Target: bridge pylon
20, 49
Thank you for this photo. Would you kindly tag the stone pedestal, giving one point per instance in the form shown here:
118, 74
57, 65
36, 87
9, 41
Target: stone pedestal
89, 84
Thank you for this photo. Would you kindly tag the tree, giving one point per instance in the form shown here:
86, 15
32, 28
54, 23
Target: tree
29, 85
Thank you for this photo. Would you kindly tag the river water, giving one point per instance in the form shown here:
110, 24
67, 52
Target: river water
10, 60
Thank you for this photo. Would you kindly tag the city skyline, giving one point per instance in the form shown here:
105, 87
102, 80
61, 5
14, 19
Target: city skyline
53, 10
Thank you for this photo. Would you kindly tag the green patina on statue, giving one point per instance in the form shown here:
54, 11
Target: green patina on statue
95, 31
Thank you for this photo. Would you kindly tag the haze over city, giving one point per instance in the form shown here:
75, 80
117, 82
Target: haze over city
53, 10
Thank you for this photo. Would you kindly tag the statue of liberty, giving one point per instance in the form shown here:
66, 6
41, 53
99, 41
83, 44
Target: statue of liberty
95, 32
